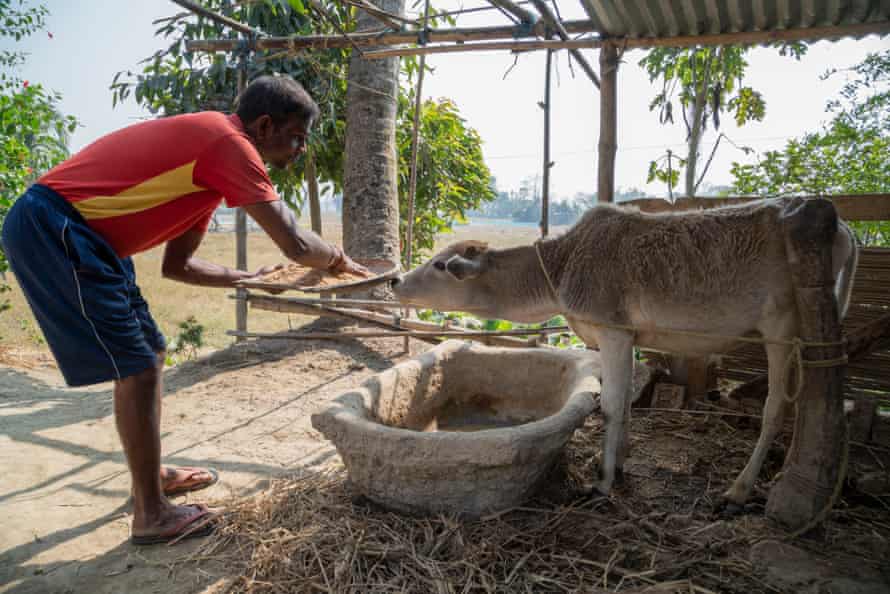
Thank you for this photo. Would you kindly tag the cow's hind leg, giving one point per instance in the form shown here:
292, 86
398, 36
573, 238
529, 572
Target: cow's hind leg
616, 355
773, 411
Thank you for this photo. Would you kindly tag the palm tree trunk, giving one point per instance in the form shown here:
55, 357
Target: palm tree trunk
370, 179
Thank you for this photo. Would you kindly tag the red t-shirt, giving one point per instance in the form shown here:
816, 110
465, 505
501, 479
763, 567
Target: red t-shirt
151, 182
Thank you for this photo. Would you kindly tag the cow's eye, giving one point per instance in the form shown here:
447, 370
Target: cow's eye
439, 264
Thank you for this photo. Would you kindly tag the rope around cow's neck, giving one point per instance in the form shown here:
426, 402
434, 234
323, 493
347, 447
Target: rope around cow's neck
795, 361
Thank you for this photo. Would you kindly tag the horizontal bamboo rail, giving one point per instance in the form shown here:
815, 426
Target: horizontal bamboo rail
385, 334
750, 37
512, 32
384, 38
293, 305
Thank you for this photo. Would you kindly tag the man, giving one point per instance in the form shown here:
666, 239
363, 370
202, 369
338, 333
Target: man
69, 239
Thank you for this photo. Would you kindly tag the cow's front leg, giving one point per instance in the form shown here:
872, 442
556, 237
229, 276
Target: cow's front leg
773, 410
616, 355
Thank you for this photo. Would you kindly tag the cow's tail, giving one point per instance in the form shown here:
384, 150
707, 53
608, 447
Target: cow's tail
845, 247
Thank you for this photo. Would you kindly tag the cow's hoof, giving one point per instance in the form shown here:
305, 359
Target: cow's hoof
594, 489
726, 507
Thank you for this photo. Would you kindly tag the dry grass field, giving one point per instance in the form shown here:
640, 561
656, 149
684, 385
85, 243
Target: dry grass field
172, 303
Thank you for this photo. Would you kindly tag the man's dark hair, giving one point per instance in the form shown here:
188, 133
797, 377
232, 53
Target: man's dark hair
280, 97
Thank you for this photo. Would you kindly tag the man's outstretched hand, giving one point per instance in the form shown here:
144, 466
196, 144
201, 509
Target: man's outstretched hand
343, 263
352, 267
263, 272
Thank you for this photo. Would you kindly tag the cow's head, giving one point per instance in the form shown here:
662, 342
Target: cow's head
452, 280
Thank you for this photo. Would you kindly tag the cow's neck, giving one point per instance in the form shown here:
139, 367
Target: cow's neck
521, 285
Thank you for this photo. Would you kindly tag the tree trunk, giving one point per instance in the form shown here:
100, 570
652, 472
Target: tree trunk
312, 187
697, 125
370, 179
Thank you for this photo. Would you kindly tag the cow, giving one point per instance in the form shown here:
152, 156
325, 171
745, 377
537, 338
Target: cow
622, 278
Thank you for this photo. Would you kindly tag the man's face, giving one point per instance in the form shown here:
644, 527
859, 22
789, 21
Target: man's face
279, 145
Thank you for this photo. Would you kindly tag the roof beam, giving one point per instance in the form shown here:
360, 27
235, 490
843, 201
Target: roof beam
380, 38
748, 38
553, 22
385, 38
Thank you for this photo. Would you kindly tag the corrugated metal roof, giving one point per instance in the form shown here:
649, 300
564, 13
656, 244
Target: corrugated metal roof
671, 18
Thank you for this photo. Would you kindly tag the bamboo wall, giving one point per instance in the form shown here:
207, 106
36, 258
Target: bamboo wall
868, 377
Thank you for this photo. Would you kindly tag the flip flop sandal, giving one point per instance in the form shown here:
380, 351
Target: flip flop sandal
214, 478
189, 527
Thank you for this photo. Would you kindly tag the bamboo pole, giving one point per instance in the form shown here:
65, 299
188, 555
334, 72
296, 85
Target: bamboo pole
394, 333
241, 232
412, 184
512, 32
608, 142
561, 32
279, 304
748, 38
379, 38
545, 191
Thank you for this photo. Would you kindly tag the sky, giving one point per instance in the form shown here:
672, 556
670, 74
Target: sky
94, 39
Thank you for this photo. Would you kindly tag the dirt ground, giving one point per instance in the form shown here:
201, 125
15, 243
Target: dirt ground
245, 411
63, 480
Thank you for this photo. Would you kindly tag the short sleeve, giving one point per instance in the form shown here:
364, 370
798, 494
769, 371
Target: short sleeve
203, 224
233, 167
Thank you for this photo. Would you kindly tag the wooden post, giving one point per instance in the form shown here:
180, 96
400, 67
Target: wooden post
312, 189
241, 236
813, 466
545, 192
608, 123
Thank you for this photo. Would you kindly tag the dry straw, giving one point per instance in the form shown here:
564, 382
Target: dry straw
657, 533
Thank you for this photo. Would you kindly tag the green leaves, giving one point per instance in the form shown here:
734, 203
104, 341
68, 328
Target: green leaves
850, 155
702, 83
33, 134
452, 177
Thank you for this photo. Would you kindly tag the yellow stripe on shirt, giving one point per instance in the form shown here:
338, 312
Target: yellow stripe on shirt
153, 192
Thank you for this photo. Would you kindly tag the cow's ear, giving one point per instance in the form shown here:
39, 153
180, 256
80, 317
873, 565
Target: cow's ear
462, 268
474, 249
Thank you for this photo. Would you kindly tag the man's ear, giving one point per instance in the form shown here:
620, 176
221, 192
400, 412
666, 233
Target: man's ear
262, 127
462, 268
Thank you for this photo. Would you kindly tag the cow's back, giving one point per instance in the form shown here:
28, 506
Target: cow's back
617, 259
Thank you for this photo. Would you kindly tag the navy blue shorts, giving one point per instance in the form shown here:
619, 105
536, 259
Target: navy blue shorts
83, 295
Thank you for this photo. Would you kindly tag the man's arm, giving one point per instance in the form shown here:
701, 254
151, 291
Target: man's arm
300, 245
181, 265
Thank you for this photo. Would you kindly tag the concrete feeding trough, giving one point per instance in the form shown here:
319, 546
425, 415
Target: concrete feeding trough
462, 428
